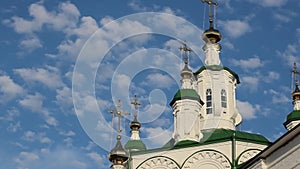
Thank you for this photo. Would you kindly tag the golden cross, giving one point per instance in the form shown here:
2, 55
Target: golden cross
210, 4
295, 74
119, 113
186, 50
136, 104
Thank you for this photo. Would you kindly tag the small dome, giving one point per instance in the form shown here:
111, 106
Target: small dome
135, 124
118, 155
135, 145
293, 116
186, 72
211, 35
186, 94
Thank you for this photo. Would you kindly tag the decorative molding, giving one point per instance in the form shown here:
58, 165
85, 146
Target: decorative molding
247, 155
160, 162
207, 158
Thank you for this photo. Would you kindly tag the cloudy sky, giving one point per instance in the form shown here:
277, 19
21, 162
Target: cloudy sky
65, 64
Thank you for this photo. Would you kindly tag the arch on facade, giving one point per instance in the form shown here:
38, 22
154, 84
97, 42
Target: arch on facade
247, 154
159, 162
207, 158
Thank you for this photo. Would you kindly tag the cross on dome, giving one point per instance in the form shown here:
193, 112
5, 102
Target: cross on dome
295, 73
186, 51
210, 4
136, 104
119, 113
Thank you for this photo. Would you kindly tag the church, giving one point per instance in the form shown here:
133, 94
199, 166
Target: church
205, 120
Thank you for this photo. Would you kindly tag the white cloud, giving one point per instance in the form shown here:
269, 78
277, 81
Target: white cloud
137, 6
271, 77
235, 28
11, 115
120, 86
69, 133
99, 159
68, 141
172, 45
49, 76
66, 17
63, 19
9, 89
247, 110
14, 127
32, 137
153, 111
87, 27
64, 99
159, 80
29, 156
228, 44
250, 82
59, 158
162, 122
269, 3
70, 48
89, 146
31, 43
278, 97
290, 54
105, 131
105, 20
35, 104
157, 136
281, 17
250, 63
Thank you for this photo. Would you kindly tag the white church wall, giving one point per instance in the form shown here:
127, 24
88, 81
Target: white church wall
286, 157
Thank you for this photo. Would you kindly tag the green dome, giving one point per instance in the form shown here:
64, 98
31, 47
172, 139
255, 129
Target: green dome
186, 94
135, 145
293, 116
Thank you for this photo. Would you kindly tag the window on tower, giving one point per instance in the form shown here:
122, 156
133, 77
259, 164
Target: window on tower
208, 101
223, 98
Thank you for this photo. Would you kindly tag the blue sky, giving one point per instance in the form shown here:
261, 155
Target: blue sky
43, 41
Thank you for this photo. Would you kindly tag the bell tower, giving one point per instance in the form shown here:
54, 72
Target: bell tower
135, 143
118, 156
186, 105
216, 83
293, 119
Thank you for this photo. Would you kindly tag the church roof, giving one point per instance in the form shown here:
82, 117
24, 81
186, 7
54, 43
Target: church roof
211, 136
217, 68
186, 94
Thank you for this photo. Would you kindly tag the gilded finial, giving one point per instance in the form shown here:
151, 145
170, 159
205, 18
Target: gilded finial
210, 4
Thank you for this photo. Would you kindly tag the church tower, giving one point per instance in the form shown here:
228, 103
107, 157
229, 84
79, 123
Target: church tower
216, 83
118, 156
135, 143
186, 105
293, 119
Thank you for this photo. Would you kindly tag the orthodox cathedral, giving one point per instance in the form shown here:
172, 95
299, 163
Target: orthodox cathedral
205, 120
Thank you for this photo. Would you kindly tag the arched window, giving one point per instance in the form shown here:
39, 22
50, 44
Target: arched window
223, 98
208, 101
